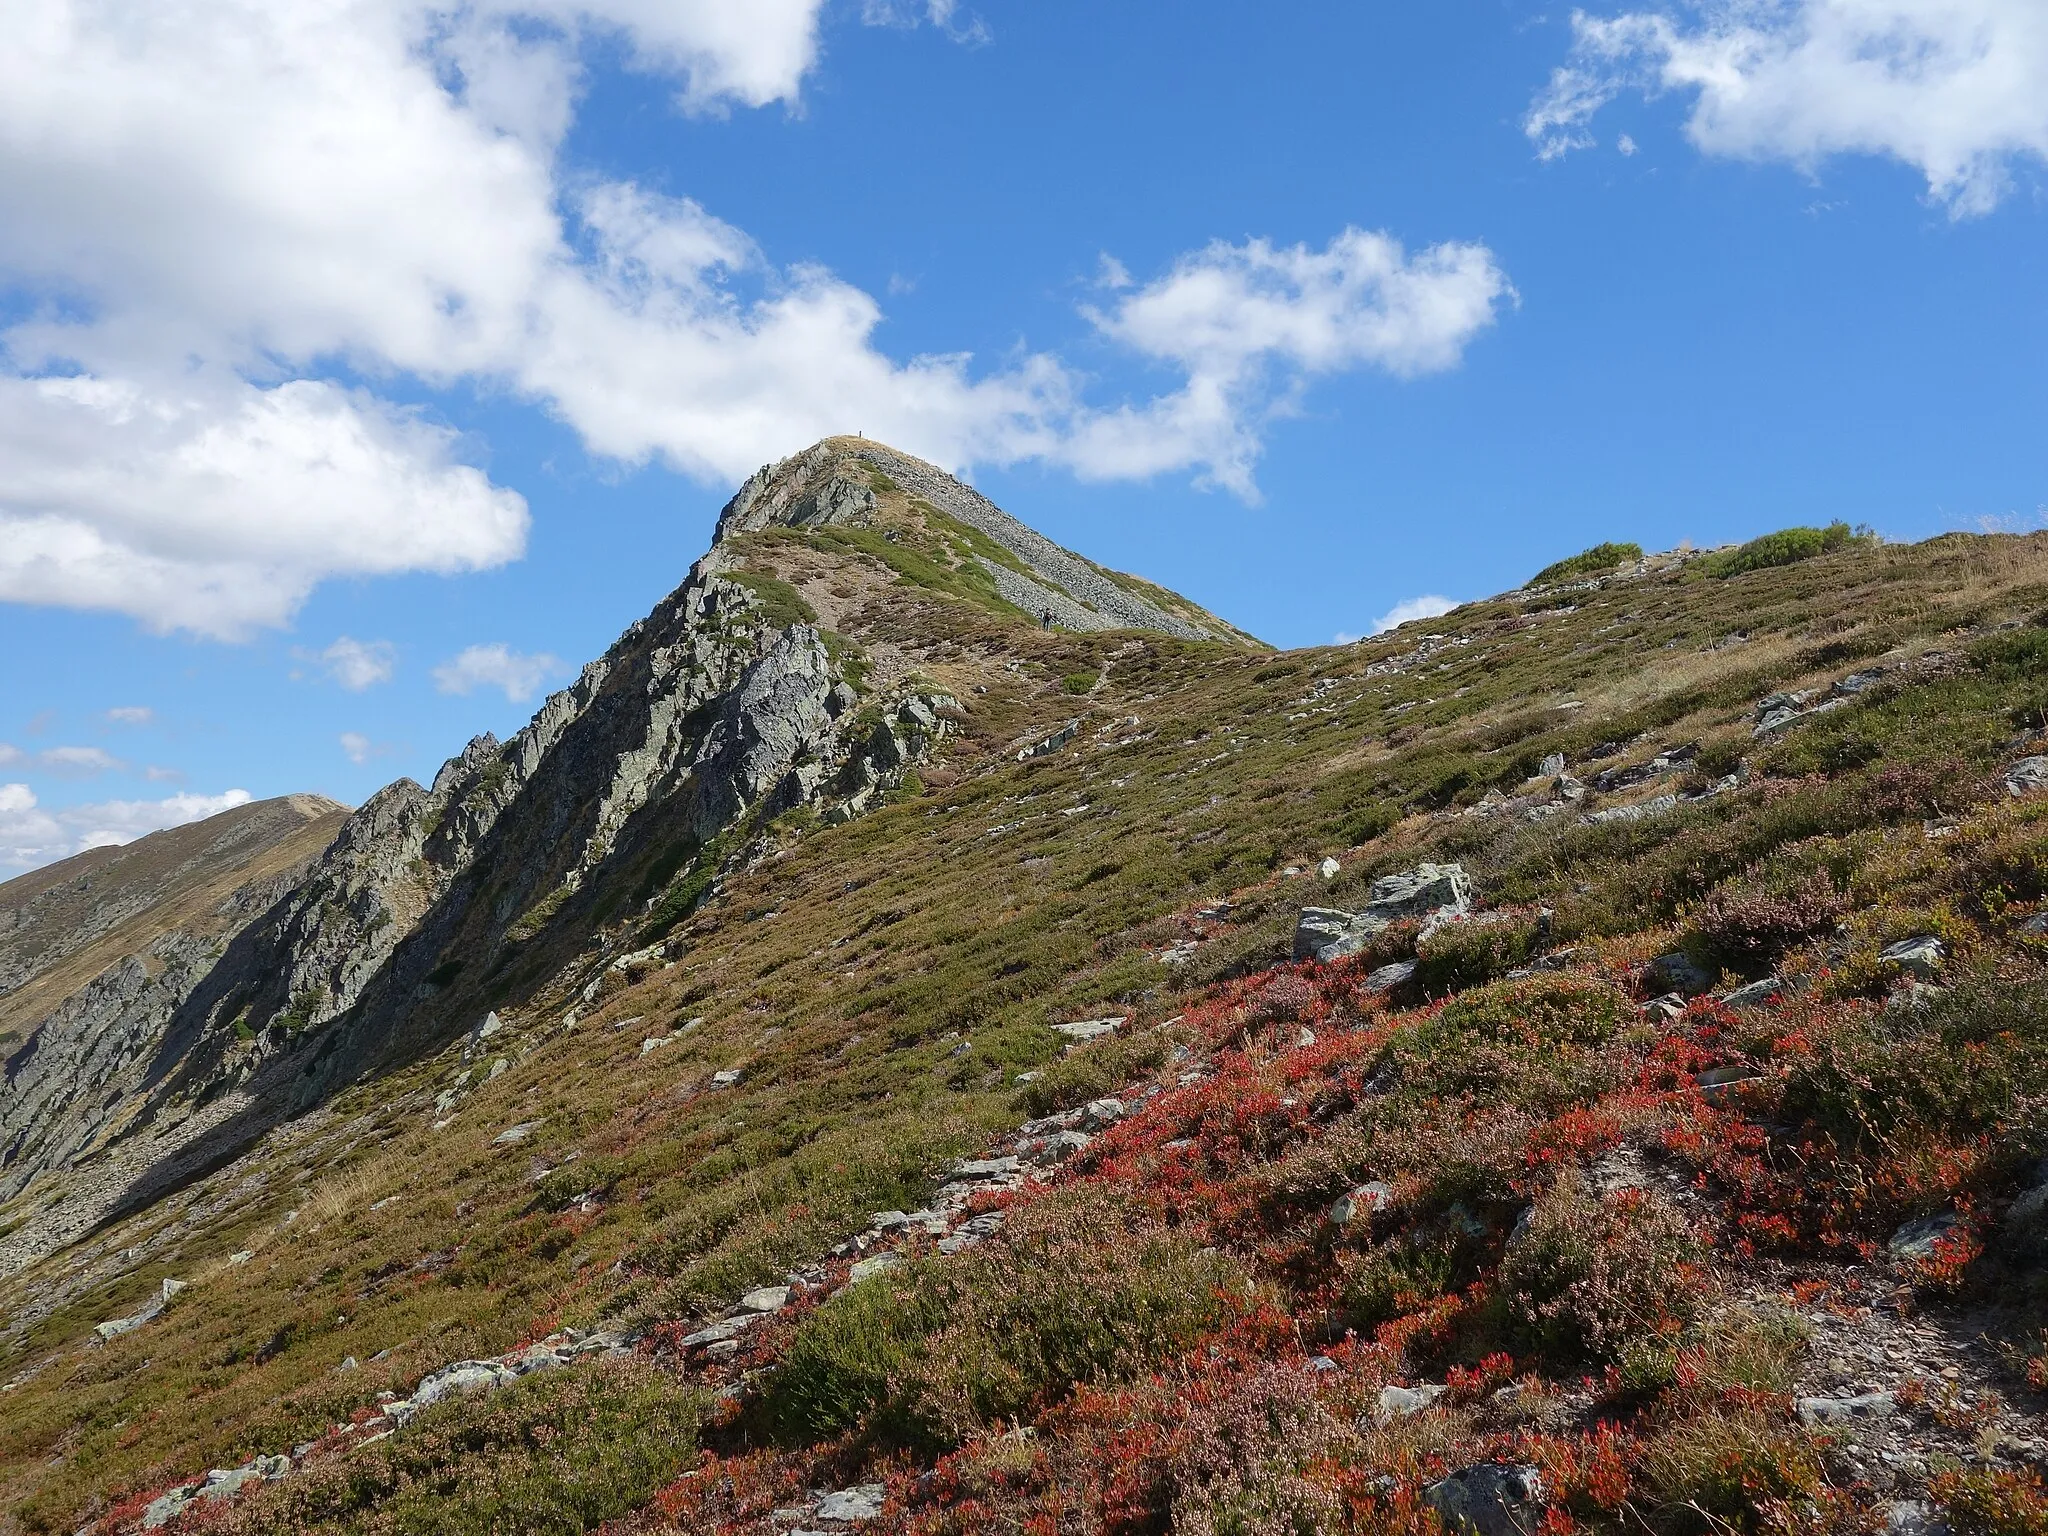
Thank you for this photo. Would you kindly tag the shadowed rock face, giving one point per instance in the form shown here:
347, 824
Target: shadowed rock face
608, 816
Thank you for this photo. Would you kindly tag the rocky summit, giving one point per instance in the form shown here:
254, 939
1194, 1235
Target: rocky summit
929, 1034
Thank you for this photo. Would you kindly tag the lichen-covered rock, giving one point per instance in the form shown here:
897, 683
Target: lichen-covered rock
1362, 1203
1920, 956
1867, 1407
1435, 891
1920, 1239
2027, 776
1679, 972
1400, 1402
1489, 1500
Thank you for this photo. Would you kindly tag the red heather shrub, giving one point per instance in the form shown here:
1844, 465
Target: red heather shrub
1286, 998
1985, 1502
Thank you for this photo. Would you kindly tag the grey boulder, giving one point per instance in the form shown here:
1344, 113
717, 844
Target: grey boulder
1362, 1203
2026, 1222
1845, 1410
2027, 775
1428, 890
1756, 994
1399, 1402
1679, 972
1489, 1500
1918, 1239
862, 1502
1921, 955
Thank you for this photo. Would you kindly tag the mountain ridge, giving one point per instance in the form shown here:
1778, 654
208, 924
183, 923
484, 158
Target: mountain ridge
432, 906
1572, 1063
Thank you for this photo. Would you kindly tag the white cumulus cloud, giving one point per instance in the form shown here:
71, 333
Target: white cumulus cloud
209, 211
1249, 323
32, 835
217, 507
360, 664
1428, 606
519, 675
1957, 89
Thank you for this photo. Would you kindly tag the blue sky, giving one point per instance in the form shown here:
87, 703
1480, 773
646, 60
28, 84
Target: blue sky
366, 368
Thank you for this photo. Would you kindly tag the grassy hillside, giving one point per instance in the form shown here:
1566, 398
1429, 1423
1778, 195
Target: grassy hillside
1628, 1238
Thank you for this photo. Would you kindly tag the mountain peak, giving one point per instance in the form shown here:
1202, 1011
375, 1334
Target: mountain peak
855, 483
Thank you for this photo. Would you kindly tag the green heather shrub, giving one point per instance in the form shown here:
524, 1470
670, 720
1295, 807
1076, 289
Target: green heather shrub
1080, 682
1587, 562
1403, 1276
1078, 1287
555, 1454
1102, 1068
1467, 954
1592, 1273
1787, 546
1539, 1010
1972, 1060
1729, 1472
1534, 1041
781, 604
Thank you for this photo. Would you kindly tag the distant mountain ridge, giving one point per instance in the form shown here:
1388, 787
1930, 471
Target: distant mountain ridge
79, 908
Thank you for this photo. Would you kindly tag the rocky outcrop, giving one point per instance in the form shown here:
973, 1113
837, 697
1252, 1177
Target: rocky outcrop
833, 483
1434, 891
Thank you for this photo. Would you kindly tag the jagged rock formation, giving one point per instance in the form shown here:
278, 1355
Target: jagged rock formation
596, 828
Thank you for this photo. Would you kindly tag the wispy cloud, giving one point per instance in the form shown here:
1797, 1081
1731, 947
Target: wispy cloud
77, 762
519, 675
1957, 89
131, 714
359, 664
949, 16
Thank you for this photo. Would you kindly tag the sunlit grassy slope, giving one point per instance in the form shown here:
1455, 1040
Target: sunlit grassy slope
882, 987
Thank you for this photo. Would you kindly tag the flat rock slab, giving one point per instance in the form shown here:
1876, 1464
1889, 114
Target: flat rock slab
1867, 1408
1428, 890
1084, 1030
1399, 1402
862, 1502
